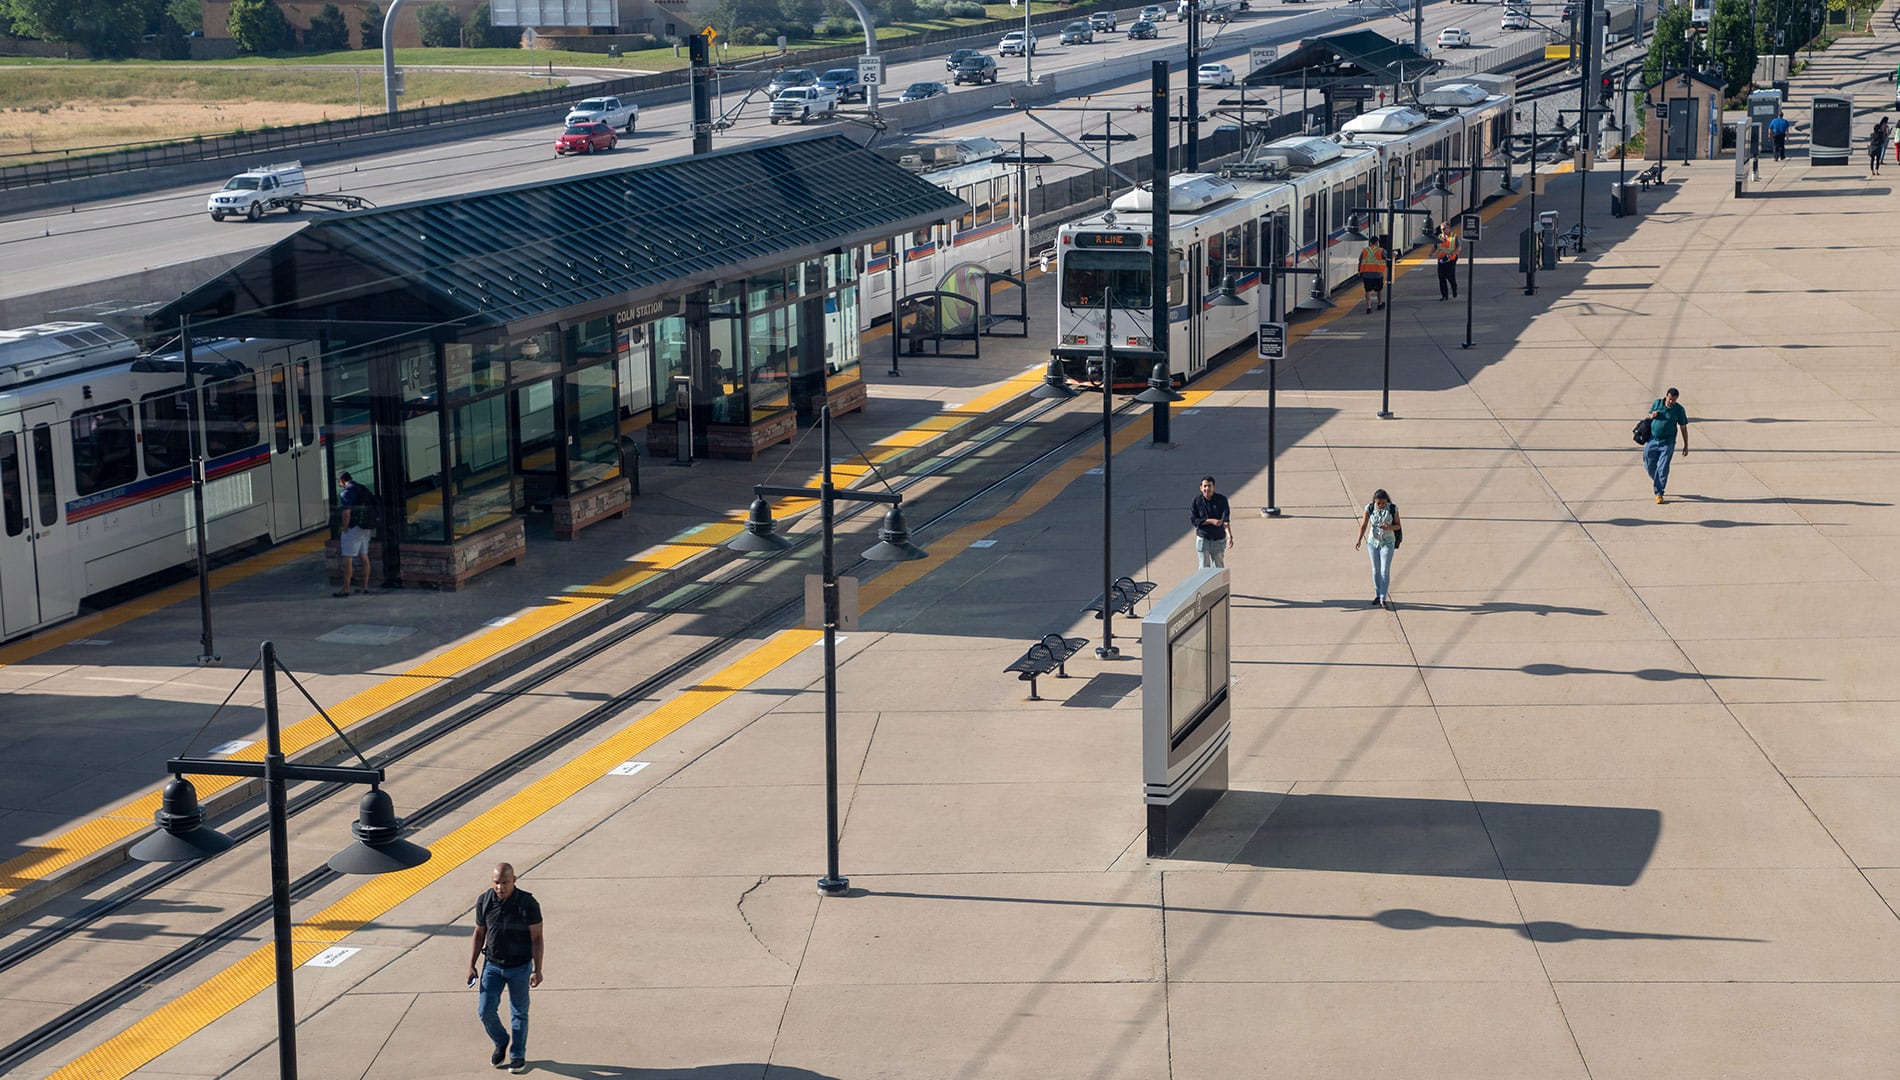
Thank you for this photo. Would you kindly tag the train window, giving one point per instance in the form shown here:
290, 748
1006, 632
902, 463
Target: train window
1342, 199
1087, 274
11, 497
1005, 201
980, 198
1249, 251
280, 409
105, 451
969, 220
306, 409
230, 415
1177, 279
43, 484
165, 428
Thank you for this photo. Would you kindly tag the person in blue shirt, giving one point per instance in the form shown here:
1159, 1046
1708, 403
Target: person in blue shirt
1778, 131
1667, 422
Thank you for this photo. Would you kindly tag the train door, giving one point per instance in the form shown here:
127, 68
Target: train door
35, 581
1194, 270
298, 495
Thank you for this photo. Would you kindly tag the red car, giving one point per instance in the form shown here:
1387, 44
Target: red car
585, 139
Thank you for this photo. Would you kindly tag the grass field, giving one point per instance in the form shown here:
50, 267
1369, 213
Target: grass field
52, 108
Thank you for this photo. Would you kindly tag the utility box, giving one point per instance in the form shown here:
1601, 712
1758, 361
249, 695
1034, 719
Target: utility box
1547, 239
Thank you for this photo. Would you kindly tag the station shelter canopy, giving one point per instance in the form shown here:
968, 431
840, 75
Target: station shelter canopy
1357, 58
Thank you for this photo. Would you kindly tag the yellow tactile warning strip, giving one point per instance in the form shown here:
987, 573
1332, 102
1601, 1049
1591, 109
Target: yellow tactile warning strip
172, 1023
120, 614
48, 858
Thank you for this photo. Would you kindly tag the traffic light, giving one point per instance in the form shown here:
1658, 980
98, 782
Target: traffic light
1606, 92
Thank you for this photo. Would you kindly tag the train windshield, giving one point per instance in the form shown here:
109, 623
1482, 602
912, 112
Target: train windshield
1088, 275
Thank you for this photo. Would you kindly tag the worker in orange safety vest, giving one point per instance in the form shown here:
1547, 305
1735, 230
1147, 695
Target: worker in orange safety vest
1446, 252
1372, 271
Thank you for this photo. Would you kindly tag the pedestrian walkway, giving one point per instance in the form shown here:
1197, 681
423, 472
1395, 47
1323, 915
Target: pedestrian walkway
1607, 795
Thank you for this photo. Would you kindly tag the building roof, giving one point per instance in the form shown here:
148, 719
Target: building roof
525, 253
1354, 58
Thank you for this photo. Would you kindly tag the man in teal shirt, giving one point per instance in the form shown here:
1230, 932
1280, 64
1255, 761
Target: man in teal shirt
1667, 419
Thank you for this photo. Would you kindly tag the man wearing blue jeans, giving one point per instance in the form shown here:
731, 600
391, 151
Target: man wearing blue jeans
508, 937
1667, 420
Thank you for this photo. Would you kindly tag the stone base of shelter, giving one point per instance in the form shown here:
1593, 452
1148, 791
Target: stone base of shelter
450, 566
742, 441
851, 397
607, 499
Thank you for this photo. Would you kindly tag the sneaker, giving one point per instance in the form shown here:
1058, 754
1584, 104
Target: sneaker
1659, 500
1376, 602
499, 1058
518, 1066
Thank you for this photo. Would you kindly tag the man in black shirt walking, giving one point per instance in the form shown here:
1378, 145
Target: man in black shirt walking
1213, 525
508, 936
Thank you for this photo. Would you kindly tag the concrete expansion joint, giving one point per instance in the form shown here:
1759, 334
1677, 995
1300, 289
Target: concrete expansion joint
750, 929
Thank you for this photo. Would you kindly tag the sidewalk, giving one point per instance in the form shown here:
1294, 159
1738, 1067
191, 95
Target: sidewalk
1609, 795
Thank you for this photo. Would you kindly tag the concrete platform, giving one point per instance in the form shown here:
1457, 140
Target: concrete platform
1608, 795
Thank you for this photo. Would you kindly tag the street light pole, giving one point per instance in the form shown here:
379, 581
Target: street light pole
1392, 213
1107, 650
207, 651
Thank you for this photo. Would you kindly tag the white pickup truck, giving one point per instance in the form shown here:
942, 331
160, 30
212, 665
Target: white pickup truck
611, 111
250, 194
801, 103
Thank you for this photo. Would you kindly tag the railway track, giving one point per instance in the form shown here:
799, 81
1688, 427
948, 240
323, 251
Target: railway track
1017, 445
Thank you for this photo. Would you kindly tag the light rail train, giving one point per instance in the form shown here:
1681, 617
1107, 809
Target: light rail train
95, 459
1290, 203
989, 237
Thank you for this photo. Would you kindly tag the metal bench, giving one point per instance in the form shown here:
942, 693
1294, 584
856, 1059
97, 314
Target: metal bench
1046, 656
1126, 593
1571, 239
1650, 176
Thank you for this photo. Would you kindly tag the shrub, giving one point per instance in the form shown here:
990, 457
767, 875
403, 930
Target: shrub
258, 26
964, 9
329, 30
841, 27
480, 32
440, 28
372, 28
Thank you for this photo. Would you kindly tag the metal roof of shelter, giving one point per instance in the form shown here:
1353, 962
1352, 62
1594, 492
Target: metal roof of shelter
521, 254
1354, 58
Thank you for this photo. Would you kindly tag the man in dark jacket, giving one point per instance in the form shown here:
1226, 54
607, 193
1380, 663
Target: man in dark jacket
1213, 525
508, 937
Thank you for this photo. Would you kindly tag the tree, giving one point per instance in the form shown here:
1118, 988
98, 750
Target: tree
329, 30
440, 28
1732, 44
801, 15
188, 14
372, 28
104, 27
1667, 50
481, 33
258, 26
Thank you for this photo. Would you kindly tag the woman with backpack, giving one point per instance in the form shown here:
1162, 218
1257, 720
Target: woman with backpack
1379, 531
1877, 144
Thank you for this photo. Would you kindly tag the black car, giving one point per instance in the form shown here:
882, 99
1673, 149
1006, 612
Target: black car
976, 68
1142, 29
954, 59
921, 91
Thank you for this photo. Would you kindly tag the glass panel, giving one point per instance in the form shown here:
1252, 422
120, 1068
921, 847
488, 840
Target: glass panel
230, 415
1087, 275
969, 220
105, 448
635, 361
351, 434
421, 445
306, 417
486, 491
534, 358
591, 342
43, 484
280, 409
842, 343
474, 369
12, 497
764, 290
1004, 204
165, 423
536, 404
595, 427
725, 362
669, 361
771, 353
980, 200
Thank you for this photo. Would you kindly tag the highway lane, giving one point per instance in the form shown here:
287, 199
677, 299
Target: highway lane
98, 242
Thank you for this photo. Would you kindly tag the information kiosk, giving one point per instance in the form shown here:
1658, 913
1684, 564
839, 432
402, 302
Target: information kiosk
1185, 711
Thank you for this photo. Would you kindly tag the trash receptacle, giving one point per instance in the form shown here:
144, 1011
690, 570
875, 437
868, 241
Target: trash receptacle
1616, 200
613, 52
1628, 197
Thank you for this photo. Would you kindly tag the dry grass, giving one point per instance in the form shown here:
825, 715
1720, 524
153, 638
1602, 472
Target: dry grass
53, 110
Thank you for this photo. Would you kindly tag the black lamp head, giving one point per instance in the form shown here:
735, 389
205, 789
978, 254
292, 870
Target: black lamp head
1160, 388
1228, 293
893, 540
761, 532
1055, 385
379, 847
182, 835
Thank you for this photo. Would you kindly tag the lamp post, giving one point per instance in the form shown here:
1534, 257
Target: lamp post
207, 650
379, 849
1055, 387
1392, 212
1530, 266
893, 545
1227, 296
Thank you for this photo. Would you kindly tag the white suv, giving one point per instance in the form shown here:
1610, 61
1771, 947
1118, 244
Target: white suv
1012, 44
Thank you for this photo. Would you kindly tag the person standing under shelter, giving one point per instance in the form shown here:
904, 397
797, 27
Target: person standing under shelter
1213, 525
1372, 271
1778, 132
508, 938
354, 501
1446, 252
1667, 420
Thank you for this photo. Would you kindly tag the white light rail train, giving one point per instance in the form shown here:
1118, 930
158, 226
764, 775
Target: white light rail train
95, 459
1289, 203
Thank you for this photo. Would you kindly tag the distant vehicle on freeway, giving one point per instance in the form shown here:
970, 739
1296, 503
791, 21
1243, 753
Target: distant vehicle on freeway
1078, 33
1141, 29
1012, 44
1154, 13
789, 78
801, 103
977, 69
919, 91
1452, 37
844, 83
1515, 20
1214, 75
1103, 20
585, 138
604, 110
950, 62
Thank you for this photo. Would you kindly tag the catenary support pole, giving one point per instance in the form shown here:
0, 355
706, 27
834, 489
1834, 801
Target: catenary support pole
1162, 334
207, 648
279, 815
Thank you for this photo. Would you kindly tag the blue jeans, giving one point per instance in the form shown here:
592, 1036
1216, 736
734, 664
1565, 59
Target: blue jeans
1656, 457
1211, 552
1381, 568
488, 1006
